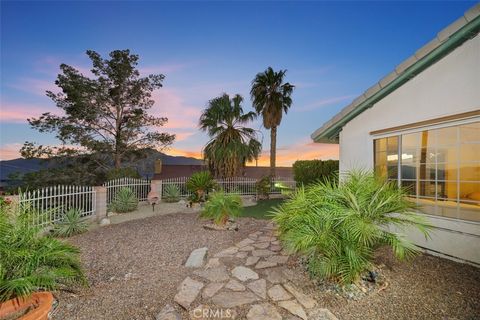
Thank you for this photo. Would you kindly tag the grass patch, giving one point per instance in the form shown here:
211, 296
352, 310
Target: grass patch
262, 209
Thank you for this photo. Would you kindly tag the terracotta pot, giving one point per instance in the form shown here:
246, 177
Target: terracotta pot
40, 301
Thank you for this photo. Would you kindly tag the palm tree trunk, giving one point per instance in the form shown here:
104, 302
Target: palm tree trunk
273, 150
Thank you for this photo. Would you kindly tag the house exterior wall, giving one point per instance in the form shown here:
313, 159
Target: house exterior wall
450, 86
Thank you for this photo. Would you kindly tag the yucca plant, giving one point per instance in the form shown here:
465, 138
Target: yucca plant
171, 193
31, 262
338, 226
221, 206
125, 201
201, 183
72, 223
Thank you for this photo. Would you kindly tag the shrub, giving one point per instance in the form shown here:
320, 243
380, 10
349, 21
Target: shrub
200, 183
262, 187
310, 171
126, 172
221, 206
125, 201
171, 193
338, 226
72, 223
30, 262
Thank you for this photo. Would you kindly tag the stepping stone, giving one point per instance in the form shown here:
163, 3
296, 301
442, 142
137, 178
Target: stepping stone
168, 313
321, 314
243, 273
266, 239
259, 287
247, 248
188, 292
211, 289
227, 252
294, 308
197, 258
264, 312
213, 263
244, 243
276, 248
277, 293
262, 253
275, 275
241, 255
217, 274
265, 264
234, 299
276, 242
261, 245
306, 301
277, 259
234, 285
252, 261
211, 312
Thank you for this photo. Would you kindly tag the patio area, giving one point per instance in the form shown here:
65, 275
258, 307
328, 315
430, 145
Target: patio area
136, 268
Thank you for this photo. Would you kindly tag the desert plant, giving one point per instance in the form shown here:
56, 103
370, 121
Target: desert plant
201, 183
338, 226
171, 193
72, 223
125, 201
30, 262
262, 187
221, 206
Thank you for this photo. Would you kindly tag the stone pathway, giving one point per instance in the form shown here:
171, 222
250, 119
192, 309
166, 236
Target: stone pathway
250, 279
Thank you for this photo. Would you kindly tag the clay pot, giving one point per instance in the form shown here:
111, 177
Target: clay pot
41, 302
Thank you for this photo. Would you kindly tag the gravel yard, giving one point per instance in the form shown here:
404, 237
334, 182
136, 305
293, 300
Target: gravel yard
135, 267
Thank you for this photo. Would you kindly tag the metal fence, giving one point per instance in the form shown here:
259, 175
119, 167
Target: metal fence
50, 204
239, 185
141, 188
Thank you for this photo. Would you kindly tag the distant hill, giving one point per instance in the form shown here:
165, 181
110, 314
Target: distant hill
145, 166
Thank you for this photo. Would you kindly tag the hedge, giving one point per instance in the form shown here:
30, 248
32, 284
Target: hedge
310, 171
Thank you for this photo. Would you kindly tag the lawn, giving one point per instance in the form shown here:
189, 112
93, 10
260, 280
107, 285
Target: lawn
262, 209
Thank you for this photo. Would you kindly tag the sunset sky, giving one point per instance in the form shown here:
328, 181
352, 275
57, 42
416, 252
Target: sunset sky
333, 51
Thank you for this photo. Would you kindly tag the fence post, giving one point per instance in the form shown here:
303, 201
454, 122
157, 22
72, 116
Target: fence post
100, 202
157, 184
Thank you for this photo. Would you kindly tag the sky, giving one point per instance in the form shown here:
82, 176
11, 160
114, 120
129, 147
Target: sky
332, 51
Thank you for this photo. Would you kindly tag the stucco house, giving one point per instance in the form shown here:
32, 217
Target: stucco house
420, 126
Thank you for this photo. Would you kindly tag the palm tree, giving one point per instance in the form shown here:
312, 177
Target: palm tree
231, 144
271, 97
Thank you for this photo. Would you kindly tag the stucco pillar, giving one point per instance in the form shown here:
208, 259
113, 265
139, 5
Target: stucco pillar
157, 184
100, 202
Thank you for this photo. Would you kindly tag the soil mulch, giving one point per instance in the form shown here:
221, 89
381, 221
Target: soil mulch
134, 269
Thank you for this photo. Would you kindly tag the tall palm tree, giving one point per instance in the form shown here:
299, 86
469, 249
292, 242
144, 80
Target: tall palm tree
271, 97
232, 144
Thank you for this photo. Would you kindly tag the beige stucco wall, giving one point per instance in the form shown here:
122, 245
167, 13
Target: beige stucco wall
451, 86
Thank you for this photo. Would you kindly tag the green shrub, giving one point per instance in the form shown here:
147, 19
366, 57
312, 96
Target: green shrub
221, 206
30, 262
72, 223
200, 183
310, 171
262, 187
127, 172
125, 201
338, 226
171, 193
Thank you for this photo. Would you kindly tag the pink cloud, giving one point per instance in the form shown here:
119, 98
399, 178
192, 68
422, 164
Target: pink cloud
19, 113
323, 103
10, 151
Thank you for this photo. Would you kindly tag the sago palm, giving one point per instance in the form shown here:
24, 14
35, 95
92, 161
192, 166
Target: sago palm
339, 225
271, 97
232, 144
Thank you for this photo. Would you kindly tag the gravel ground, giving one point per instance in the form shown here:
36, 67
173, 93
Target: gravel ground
134, 268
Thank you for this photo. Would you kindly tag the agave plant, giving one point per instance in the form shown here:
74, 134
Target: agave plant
338, 226
30, 262
201, 183
125, 201
221, 206
171, 193
72, 223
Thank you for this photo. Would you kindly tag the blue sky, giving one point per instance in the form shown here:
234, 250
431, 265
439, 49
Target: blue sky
333, 51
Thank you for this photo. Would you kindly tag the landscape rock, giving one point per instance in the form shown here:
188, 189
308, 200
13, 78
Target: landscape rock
227, 252
213, 263
211, 289
197, 258
265, 264
234, 285
259, 287
168, 313
245, 242
277, 259
294, 308
234, 299
261, 245
188, 292
241, 255
321, 314
276, 248
305, 300
244, 274
252, 261
278, 293
247, 248
262, 253
264, 312
105, 222
217, 274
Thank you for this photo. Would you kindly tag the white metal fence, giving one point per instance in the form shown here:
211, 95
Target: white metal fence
50, 204
141, 188
238, 185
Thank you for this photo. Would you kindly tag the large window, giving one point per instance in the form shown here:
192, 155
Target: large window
440, 168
